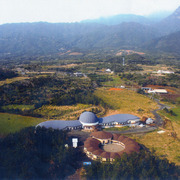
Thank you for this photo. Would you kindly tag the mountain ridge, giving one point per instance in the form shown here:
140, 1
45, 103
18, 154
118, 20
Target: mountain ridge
44, 38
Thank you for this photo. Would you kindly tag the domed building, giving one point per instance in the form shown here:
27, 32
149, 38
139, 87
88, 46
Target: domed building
88, 121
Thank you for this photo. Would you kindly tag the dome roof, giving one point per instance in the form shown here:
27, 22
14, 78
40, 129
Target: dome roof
88, 118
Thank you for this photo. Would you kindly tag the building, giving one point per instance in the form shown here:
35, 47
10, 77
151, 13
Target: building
88, 121
164, 72
94, 146
108, 70
158, 91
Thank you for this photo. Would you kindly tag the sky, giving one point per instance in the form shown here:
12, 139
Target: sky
13, 11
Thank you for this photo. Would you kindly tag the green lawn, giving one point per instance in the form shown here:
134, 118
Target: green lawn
117, 128
10, 123
175, 118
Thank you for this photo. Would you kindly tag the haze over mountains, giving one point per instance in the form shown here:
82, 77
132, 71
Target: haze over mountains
113, 33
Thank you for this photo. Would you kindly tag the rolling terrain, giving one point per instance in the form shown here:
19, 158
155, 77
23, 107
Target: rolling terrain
120, 32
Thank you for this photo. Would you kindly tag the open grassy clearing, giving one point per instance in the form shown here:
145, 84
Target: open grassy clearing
10, 123
115, 82
8, 81
175, 118
164, 144
150, 69
117, 128
126, 101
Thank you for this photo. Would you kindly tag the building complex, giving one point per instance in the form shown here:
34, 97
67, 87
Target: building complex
88, 121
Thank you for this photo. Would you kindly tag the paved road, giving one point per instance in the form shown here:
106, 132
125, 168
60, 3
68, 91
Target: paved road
158, 119
136, 130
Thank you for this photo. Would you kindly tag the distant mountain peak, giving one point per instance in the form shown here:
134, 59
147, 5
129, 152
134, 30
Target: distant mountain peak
176, 14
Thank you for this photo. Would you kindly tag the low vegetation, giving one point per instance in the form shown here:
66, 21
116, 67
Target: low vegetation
124, 128
10, 123
127, 101
68, 112
164, 144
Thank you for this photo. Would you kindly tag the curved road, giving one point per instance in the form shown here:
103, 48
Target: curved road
158, 122
158, 119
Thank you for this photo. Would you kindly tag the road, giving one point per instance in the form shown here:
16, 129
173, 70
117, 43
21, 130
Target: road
158, 119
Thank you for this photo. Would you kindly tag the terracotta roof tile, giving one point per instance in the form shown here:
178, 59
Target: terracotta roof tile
101, 135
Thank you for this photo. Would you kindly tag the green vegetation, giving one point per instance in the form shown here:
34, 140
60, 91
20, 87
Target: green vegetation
46, 90
144, 165
37, 154
148, 79
164, 144
68, 112
126, 101
6, 73
10, 123
17, 107
172, 114
124, 128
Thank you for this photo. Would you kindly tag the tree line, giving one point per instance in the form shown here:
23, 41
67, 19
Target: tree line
37, 154
143, 165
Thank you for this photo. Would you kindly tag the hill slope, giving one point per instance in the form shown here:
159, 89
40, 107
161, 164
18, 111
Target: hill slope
46, 38
168, 44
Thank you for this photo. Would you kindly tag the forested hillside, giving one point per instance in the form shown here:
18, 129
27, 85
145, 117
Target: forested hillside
37, 154
127, 32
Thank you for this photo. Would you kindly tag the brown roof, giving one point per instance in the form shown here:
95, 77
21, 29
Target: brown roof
98, 152
116, 136
105, 155
121, 138
133, 147
114, 155
92, 149
101, 135
126, 139
92, 144
130, 141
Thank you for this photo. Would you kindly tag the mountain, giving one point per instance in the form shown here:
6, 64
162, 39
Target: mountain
158, 16
41, 38
118, 19
28, 39
170, 24
167, 44
125, 35
46, 38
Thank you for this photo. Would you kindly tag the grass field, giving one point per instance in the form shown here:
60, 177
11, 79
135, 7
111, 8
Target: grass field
117, 128
127, 101
8, 81
163, 144
10, 123
175, 118
115, 82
